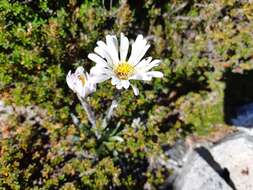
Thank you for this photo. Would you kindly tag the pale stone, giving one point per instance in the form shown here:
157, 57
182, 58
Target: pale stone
236, 154
197, 174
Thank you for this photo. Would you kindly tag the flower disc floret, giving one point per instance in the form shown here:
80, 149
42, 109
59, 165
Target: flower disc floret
82, 78
124, 70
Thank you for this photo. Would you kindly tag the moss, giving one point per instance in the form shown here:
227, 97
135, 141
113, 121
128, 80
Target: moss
203, 110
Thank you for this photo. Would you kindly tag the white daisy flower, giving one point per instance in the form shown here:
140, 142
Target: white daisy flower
111, 62
80, 82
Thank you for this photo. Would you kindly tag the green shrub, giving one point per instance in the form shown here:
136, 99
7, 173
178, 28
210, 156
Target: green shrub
40, 41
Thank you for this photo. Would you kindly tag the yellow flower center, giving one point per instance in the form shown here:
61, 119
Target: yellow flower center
82, 79
124, 70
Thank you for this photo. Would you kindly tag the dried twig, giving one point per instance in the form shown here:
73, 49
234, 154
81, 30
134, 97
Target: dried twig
187, 18
177, 9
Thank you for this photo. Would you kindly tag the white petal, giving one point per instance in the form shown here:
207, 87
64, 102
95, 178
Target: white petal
143, 64
154, 63
112, 43
140, 55
141, 76
98, 60
91, 86
139, 49
115, 81
126, 84
99, 78
90, 82
99, 51
104, 54
135, 89
82, 92
124, 45
156, 74
78, 85
134, 48
79, 88
97, 70
119, 86
87, 75
79, 70
102, 45
106, 49
138, 39
69, 80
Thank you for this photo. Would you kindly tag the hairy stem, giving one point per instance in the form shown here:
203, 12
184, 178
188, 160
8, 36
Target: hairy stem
109, 113
88, 110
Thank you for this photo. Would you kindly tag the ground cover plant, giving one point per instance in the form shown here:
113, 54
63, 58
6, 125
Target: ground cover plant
46, 141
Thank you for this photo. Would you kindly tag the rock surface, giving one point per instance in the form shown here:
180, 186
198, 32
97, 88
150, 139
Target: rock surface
236, 154
197, 174
228, 164
31, 114
5, 111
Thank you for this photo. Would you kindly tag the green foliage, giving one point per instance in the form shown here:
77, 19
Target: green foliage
40, 41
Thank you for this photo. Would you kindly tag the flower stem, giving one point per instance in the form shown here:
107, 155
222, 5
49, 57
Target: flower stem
88, 110
109, 113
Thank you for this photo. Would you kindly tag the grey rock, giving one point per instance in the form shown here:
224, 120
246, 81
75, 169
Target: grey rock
225, 165
248, 131
236, 154
198, 174
5, 111
30, 114
177, 152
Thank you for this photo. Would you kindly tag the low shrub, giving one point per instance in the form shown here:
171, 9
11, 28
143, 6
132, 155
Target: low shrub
40, 41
